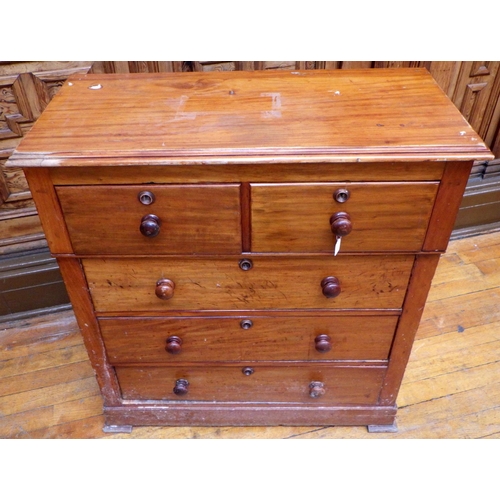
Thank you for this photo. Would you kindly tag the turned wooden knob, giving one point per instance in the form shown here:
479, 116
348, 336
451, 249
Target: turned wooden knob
150, 225
174, 345
330, 287
323, 343
341, 224
316, 389
181, 387
165, 289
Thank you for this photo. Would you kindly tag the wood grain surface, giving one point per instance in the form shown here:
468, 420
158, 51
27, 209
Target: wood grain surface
193, 219
119, 285
356, 115
385, 216
143, 340
343, 385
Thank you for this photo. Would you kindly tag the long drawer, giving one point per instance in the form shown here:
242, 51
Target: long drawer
314, 382
380, 216
151, 219
259, 338
167, 284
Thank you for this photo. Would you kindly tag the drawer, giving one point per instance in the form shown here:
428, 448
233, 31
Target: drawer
374, 281
189, 219
259, 338
279, 384
383, 216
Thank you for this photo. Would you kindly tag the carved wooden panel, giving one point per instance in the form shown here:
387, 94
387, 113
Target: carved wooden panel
445, 73
135, 66
495, 146
25, 90
476, 94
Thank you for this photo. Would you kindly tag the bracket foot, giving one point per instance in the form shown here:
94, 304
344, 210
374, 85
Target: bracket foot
117, 428
383, 428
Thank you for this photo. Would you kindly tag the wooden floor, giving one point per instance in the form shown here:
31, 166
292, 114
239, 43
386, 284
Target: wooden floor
451, 388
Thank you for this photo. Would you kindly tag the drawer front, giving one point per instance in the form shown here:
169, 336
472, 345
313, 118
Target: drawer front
341, 385
258, 338
364, 282
380, 216
191, 219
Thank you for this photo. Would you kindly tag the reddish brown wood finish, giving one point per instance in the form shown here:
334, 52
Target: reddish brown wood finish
246, 221
269, 338
298, 217
194, 219
49, 210
341, 224
276, 383
330, 287
174, 345
197, 171
165, 289
259, 114
222, 201
121, 285
323, 343
247, 414
78, 292
445, 210
150, 226
418, 288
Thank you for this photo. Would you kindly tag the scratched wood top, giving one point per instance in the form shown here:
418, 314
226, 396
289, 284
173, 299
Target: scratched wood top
269, 116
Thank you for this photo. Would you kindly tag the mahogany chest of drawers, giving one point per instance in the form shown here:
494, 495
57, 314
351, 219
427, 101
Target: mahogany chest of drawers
249, 248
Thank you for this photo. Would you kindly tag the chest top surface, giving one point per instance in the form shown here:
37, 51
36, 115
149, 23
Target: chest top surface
298, 116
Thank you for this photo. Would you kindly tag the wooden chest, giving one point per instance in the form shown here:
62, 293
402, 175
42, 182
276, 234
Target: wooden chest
249, 248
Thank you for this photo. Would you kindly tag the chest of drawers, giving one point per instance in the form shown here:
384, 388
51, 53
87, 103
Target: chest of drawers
249, 248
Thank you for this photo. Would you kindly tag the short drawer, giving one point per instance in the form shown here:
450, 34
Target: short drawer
284, 383
175, 219
169, 284
306, 217
258, 338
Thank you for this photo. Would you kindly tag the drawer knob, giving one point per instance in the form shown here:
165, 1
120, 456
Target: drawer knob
341, 224
323, 343
181, 387
150, 225
174, 345
316, 389
330, 287
165, 289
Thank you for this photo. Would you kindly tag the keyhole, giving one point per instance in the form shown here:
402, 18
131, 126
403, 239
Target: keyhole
246, 264
341, 195
146, 197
